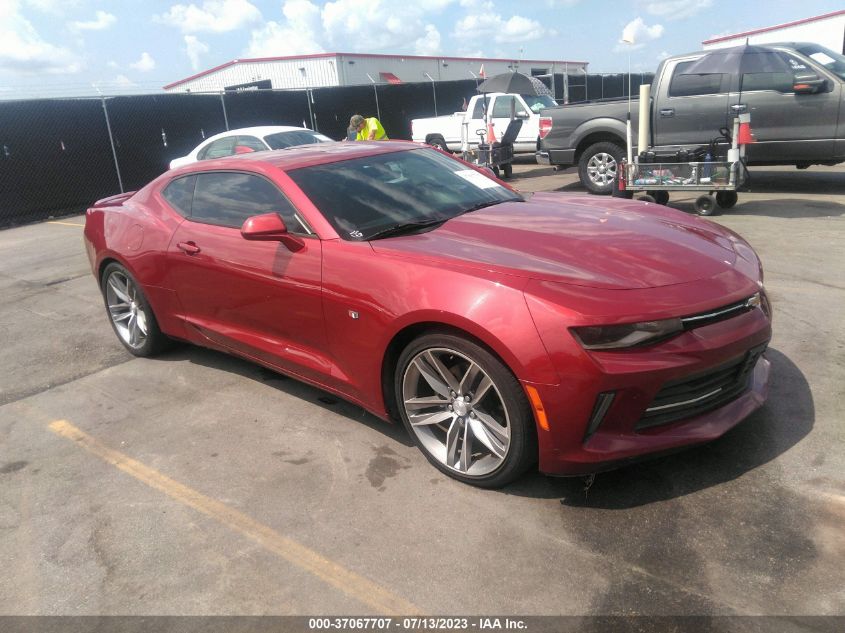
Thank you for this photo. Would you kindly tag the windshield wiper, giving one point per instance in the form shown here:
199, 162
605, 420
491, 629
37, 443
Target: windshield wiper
407, 227
483, 205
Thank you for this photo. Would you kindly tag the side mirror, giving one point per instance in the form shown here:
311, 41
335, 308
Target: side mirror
522, 114
809, 85
269, 227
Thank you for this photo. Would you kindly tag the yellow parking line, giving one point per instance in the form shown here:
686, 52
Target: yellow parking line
65, 223
350, 583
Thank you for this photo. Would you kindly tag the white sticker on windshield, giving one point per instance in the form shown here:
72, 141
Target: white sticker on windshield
822, 58
479, 180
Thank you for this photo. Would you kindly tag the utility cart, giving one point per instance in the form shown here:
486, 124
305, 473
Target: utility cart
718, 176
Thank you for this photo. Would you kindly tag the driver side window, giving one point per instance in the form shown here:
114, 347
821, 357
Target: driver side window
229, 198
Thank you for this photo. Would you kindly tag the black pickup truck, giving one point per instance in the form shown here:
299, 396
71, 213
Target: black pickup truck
798, 117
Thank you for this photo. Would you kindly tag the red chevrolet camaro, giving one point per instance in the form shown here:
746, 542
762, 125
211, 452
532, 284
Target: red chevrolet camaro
503, 329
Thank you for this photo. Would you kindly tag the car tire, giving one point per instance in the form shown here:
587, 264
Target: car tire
465, 410
647, 198
726, 199
130, 314
439, 142
597, 166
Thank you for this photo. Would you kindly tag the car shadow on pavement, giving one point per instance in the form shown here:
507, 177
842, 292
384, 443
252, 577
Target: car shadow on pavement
290, 386
787, 417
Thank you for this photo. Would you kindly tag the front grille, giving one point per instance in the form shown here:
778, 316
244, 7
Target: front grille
694, 395
720, 314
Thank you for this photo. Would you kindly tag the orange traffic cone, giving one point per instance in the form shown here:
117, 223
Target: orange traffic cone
491, 133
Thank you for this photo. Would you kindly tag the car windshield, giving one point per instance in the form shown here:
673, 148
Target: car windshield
365, 197
538, 102
831, 60
281, 140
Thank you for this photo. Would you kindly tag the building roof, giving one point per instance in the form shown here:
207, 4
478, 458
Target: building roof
774, 28
371, 55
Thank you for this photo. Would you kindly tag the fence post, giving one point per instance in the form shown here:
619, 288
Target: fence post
225, 117
310, 98
433, 91
111, 142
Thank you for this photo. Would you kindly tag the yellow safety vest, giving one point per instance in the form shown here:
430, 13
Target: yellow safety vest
371, 124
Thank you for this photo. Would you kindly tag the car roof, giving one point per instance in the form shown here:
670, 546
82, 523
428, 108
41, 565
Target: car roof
301, 156
259, 130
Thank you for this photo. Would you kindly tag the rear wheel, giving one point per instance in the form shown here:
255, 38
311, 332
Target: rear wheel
465, 410
597, 166
439, 142
130, 314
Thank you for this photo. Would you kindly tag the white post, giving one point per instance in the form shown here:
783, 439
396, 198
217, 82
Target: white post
643, 127
629, 40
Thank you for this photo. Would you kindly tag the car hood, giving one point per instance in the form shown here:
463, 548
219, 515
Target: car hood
580, 240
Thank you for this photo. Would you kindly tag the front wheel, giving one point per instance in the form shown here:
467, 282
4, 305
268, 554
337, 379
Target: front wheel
705, 205
726, 199
597, 166
465, 410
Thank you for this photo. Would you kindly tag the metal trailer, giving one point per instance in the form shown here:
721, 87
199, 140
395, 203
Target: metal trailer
720, 179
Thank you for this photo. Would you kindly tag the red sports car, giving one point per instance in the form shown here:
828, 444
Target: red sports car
503, 329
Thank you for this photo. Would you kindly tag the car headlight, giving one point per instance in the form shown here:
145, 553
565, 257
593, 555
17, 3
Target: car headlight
626, 335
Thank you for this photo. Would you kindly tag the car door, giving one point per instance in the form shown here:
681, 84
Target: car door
690, 109
789, 126
260, 299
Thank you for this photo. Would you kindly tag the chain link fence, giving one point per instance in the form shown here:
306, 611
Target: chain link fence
57, 156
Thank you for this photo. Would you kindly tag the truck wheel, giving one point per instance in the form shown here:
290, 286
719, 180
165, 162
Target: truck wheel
439, 142
597, 166
705, 205
726, 199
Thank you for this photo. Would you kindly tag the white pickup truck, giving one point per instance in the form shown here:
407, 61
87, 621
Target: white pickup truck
452, 131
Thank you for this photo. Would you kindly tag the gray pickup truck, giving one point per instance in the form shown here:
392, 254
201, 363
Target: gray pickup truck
798, 118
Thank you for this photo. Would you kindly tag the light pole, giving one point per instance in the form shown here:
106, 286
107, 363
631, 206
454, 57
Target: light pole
629, 40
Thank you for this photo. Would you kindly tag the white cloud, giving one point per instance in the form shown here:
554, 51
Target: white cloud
428, 44
493, 27
675, 9
193, 49
101, 22
122, 81
52, 6
296, 35
145, 64
662, 55
23, 51
214, 16
638, 32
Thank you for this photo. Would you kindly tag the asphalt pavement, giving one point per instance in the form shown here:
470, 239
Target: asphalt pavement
196, 483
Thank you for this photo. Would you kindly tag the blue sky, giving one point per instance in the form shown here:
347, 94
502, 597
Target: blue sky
77, 47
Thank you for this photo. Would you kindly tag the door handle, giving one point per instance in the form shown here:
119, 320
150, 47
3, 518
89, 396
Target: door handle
739, 107
189, 247
667, 112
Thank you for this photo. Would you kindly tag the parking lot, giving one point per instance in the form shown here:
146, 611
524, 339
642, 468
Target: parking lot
197, 483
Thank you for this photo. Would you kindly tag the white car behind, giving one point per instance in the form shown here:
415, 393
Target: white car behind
250, 139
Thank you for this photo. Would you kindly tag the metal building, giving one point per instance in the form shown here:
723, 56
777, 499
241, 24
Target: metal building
827, 30
349, 69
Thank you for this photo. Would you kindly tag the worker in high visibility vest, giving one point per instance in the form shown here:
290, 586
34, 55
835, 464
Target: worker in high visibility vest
369, 129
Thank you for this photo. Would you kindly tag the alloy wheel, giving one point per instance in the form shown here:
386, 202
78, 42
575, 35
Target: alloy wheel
126, 309
456, 411
601, 168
